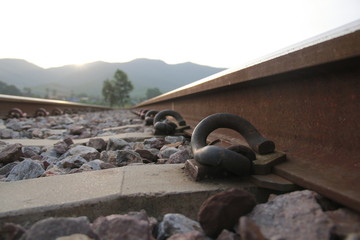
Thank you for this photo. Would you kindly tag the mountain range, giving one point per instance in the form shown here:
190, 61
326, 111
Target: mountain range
88, 78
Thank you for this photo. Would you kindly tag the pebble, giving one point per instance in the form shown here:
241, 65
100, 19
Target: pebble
52, 228
97, 143
167, 152
77, 130
147, 154
228, 235
50, 152
345, 221
7, 133
189, 236
296, 215
11, 231
154, 143
75, 161
14, 125
115, 227
37, 133
174, 223
7, 168
87, 153
179, 157
174, 139
50, 160
109, 156
223, 210
36, 150
11, 153
105, 165
125, 157
61, 147
25, 170
248, 230
54, 170
94, 164
117, 144
76, 236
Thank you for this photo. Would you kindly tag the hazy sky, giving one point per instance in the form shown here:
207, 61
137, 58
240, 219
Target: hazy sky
222, 33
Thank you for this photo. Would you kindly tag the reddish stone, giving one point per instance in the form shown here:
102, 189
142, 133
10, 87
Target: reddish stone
85, 134
147, 154
77, 130
223, 210
76, 236
68, 141
188, 236
125, 157
296, 215
115, 227
162, 161
52, 228
28, 153
87, 153
346, 222
11, 153
154, 143
7, 168
105, 165
179, 157
249, 230
11, 231
61, 147
97, 143
227, 235
175, 223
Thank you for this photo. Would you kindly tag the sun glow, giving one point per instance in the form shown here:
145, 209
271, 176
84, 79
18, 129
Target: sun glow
215, 33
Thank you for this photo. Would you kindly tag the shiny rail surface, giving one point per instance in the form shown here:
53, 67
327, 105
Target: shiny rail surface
53, 107
306, 100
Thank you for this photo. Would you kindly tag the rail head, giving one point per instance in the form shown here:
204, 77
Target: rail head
338, 44
18, 106
21, 99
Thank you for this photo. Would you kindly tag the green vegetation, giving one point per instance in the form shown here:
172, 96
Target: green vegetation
9, 89
27, 92
13, 90
71, 83
152, 92
116, 90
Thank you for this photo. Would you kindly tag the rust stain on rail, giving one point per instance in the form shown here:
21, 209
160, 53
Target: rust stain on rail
30, 105
308, 106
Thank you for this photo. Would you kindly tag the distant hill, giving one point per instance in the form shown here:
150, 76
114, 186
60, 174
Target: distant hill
88, 78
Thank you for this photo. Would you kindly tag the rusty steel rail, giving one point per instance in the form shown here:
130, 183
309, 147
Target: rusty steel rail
305, 100
31, 105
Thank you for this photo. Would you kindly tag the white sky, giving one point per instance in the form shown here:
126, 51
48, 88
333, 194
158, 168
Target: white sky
222, 33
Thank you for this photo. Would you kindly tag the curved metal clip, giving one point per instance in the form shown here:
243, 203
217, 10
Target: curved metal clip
149, 117
163, 125
236, 159
16, 113
142, 113
41, 112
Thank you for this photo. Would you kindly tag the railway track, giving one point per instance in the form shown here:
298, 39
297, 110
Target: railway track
298, 111
305, 99
16, 106
304, 102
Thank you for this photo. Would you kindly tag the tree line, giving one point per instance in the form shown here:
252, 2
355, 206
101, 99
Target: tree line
10, 89
115, 91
